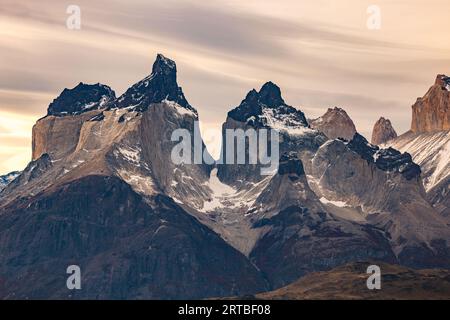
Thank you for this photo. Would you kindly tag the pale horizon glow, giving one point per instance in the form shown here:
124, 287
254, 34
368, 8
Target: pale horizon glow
320, 53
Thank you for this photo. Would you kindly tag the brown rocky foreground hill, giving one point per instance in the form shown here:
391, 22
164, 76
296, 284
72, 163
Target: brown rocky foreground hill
349, 282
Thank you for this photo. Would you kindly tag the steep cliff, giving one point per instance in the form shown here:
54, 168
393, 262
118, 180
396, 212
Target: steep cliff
383, 131
432, 112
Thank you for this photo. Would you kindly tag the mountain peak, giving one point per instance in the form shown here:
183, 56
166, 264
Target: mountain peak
164, 66
443, 81
252, 97
270, 95
337, 111
81, 98
431, 113
335, 123
158, 87
267, 102
383, 131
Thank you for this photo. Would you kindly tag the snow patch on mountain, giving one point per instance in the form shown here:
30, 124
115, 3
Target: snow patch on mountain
340, 204
131, 154
219, 192
224, 196
179, 109
446, 81
80, 99
284, 122
429, 150
8, 178
141, 183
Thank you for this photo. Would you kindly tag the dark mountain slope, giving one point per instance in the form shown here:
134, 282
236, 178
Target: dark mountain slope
127, 248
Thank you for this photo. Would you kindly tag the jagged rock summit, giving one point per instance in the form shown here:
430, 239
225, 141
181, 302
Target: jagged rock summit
383, 131
161, 85
431, 113
103, 189
385, 159
267, 108
335, 123
81, 98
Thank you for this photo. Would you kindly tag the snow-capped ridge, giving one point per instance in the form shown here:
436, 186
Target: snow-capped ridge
163, 65
81, 98
430, 150
270, 95
388, 159
266, 108
160, 86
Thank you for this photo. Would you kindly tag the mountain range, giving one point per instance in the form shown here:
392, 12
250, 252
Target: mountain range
102, 192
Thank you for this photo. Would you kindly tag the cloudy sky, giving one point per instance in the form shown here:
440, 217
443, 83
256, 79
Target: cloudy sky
321, 53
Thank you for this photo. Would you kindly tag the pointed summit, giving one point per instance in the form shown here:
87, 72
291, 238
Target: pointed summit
443, 81
335, 123
383, 131
431, 113
270, 95
266, 107
158, 87
164, 66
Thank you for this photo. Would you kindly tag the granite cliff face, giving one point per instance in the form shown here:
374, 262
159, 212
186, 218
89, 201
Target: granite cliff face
348, 181
386, 187
58, 136
335, 123
431, 113
383, 131
431, 151
111, 167
299, 234
428, 142
132, 142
